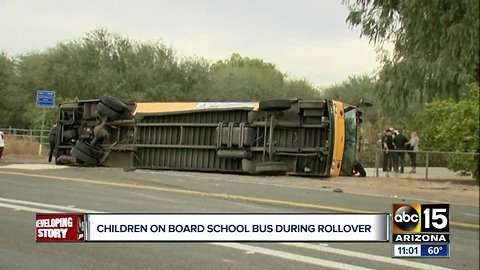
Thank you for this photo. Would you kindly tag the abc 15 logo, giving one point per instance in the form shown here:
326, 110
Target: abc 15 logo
419, 218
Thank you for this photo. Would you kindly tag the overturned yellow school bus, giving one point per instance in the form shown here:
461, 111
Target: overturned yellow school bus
300, 137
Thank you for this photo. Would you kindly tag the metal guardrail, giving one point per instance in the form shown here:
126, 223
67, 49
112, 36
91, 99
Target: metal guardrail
424, 162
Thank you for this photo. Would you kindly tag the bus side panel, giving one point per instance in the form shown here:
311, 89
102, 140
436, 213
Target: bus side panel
185, 141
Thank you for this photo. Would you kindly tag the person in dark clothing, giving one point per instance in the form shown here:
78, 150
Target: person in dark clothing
391, 160
399, 157
387, 144
51, 139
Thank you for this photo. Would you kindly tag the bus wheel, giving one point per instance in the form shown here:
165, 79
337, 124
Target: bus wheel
274, 105
107, 111
114, 104
87, 159
89, 149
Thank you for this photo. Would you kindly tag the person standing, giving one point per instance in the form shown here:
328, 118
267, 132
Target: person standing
391, 161
51, 140
413, 146
387, 144
2, 142
400, 142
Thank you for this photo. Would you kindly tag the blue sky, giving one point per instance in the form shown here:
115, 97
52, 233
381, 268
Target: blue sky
306, 39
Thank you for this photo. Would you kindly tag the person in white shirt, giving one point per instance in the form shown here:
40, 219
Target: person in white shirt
2, 142
413, 146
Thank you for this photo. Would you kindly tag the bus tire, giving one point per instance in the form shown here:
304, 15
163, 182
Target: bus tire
114, 104
87, 160
89, 149
274, 105
107, 111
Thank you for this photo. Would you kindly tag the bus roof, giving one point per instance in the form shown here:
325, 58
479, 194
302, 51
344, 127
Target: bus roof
165, 107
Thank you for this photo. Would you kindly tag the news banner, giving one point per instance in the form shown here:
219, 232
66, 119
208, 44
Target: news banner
415, 230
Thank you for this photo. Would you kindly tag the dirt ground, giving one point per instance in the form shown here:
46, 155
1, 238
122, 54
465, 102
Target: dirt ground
434, 190
441, 188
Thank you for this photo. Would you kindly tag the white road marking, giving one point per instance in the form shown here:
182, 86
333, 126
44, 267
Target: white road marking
246, 205
291, 256
366, 256
472, 215
158, 198
25, 208
33, 167
59, 207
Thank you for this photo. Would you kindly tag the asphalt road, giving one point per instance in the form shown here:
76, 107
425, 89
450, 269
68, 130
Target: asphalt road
28, 189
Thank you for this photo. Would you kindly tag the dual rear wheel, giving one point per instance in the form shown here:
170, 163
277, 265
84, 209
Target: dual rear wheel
112, 108
88, 154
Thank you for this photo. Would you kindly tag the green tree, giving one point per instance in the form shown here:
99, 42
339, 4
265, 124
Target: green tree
244, 79
7, 71
435, 47
300, 89
353, 90
102, 62
32, 74
105, 63
153, 74
196, 80
14, 99
455, 128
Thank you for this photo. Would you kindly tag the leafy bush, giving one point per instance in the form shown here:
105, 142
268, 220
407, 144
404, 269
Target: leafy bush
453, 126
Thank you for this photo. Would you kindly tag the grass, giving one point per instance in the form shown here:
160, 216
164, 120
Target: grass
25, 146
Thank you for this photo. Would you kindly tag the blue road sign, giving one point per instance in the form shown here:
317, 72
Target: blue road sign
45, 98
